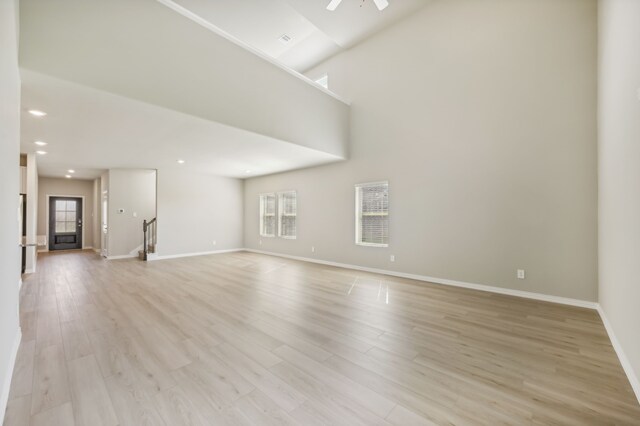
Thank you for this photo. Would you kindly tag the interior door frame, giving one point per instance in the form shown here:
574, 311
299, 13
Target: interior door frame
47, 203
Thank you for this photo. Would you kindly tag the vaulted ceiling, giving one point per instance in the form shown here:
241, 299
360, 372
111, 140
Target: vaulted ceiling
315, 32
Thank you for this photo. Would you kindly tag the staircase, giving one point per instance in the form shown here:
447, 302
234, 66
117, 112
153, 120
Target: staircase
149, 241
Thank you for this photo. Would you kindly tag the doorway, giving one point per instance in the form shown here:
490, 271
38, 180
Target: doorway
65, 223
105, 229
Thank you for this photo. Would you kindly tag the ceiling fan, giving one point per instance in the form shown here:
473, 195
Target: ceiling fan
381, 4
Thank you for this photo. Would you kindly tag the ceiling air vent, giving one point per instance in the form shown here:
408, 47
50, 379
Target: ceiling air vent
284, 39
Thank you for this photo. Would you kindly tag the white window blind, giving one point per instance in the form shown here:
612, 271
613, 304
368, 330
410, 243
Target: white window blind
287, 212
268, 215
372, 214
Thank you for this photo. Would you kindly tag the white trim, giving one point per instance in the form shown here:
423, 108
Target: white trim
371, 244
626, 365
47, 213
124, 256
202, 253
30, 270
208, 25
19, 285
87, 248
4, 397
444, 281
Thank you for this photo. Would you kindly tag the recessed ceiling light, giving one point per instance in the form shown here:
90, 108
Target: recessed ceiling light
71, 171
37, 113
247, 171
40, 143
41, 152
67, 176
180, 161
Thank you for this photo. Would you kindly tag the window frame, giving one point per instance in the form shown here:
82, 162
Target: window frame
280, 214
359, 215
262, 214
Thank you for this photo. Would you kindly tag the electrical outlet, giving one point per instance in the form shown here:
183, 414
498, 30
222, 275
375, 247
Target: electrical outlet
313, 249
215, 242
392, 258
521, 274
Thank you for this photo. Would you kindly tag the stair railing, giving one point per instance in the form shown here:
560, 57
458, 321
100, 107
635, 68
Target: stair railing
149, 229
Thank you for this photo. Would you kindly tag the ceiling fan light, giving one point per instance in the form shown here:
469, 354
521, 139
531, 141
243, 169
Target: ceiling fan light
334, 3
382, 4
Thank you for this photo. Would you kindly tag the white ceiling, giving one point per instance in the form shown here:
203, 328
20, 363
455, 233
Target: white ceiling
316, 32
90, 131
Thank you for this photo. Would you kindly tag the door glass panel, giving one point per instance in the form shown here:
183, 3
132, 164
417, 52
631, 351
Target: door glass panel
66, 216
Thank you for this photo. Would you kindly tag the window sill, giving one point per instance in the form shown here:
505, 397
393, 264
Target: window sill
372, 245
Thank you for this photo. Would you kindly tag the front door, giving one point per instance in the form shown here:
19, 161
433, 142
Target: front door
65, 223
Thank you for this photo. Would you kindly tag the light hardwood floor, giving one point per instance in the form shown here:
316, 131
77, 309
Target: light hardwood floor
244, 338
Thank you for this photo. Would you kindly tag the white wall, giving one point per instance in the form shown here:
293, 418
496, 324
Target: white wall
619, 174
135, 192
482, 116
9, 190
72, 187
32, 213
194, 210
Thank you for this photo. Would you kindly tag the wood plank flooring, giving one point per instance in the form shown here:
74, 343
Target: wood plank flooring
248, 339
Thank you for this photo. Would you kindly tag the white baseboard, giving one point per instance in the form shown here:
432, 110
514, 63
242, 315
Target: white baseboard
44, 250
202, 253
97, 250
124, 256
626, 365
30, 270
87, 248
4, 396
444, 281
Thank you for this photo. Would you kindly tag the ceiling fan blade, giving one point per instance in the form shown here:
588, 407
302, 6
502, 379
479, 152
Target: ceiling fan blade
334, 3
382, 4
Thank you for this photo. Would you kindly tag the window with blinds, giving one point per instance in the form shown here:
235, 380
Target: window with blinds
287, 211
372, 214
268, 215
